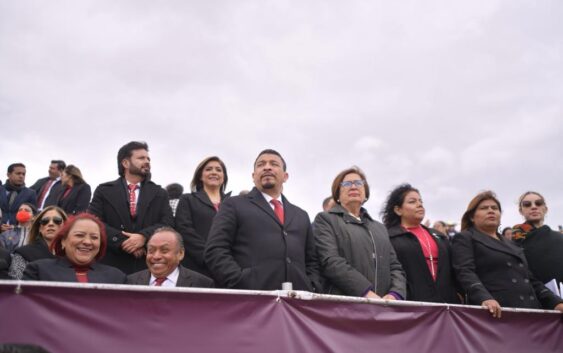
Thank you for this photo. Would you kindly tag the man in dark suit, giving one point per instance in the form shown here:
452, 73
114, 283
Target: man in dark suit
131, 207
260, 240
13, 194
165, 250
49, 185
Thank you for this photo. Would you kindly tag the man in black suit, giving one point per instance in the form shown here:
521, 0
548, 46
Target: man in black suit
13, 194
260, 240
165, 250
49, 185
131, 207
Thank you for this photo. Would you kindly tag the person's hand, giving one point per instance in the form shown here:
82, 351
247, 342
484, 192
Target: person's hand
139, 253
371, 294
135, 241
6, 227
389, 297
494, 307
559, 307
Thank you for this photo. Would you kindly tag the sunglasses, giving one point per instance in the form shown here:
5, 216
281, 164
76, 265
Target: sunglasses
356, 183
45, 220
538, 203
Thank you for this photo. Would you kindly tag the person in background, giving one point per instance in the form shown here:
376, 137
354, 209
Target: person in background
74, 194
78, 246
165, 250
507, 233
197, 210
423, 252
355, 255
16, 237
132, 207
328, 203
441, 227
44, 186
42, 233
174, 191
493, 271
261, 240
13, 194
542, 246
5, 260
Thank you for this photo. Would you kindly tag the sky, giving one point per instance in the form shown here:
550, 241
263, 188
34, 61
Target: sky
452, 97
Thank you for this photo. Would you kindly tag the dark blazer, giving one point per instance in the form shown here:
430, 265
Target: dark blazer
5, 261
61, 270
9, 213
194, 215
420, 284
186, 278
248, 247
487, 268
111, 204
35, 251
39, 184
75, 202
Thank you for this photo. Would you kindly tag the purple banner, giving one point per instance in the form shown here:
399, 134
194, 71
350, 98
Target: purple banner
124, 319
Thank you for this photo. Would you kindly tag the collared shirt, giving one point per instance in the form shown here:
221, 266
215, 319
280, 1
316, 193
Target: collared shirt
170, 281
270, 198
137, 191
48, 192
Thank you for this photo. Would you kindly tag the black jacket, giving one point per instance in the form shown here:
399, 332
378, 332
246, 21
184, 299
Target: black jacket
248, 247
5, 261
186, 278
75, 202
420, 284
61, 270
194, 216
488, 268
111, 204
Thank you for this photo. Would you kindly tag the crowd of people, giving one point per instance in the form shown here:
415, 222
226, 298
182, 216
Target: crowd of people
134, 231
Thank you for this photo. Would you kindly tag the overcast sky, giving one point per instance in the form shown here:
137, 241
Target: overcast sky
454, 98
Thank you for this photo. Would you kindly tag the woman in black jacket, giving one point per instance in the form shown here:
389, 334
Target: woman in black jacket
195, 211
493, 271
542, 246
75, 194
424, 253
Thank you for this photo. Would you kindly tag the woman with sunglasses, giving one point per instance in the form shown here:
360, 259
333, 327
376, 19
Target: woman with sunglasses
493, 271
542, 246
423, 252
355, 255
78, 247
41, 235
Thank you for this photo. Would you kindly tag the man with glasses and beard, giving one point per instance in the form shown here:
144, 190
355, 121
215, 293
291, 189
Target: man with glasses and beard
260, 240
132, 208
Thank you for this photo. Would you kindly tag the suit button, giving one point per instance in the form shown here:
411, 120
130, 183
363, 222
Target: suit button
526, 281
285, 233
521, 297
532, 297
114, 239
514, 280
508, 263
288, 260
521, 264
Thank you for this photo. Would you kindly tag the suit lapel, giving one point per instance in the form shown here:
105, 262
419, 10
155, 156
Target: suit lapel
497, 245
202, 196
184, 278
258, 199
118, 198
147, 194
289, 211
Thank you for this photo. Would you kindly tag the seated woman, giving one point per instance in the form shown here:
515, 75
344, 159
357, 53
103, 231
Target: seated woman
75, 194
355, 255
43, 230
423, 252
18, 236
79, 244
542, 246
492, 271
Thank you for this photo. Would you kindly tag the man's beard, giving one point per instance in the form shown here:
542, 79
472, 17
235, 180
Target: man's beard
139, 172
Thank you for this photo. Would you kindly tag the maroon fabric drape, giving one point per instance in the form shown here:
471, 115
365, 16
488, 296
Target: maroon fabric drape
93, 320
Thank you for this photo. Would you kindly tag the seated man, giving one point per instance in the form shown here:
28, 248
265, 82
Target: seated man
165, 250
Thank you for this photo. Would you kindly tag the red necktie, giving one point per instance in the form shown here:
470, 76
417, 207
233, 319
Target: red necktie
44, 190
132, 204
158, 282
278, 209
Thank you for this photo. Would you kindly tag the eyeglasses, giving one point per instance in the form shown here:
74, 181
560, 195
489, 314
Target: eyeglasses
45, 220
348, 184
538, 203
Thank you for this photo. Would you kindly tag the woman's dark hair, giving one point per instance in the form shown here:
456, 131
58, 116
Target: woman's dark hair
396, 198
467, 218
75, 174
336, 183
197, 184
126, 151
57, 245
34, 234
505, 229
32, 206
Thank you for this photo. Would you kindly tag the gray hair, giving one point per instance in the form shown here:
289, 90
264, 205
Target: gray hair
178, 236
